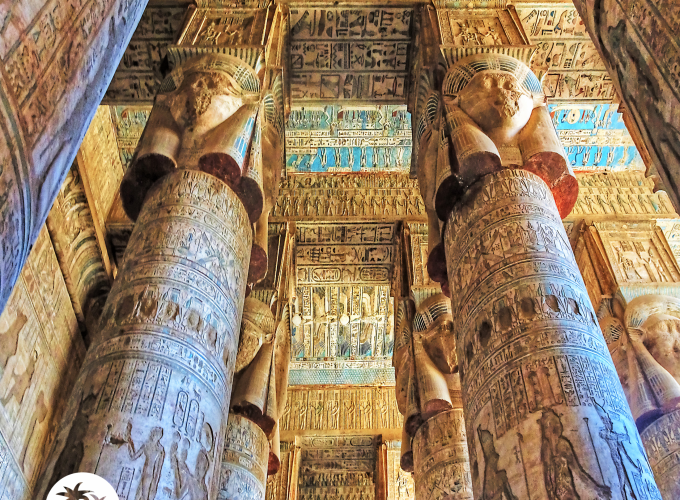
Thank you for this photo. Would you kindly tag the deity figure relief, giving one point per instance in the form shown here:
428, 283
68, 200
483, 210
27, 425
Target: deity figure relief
154, 455
205, 118
560, 463
495, 484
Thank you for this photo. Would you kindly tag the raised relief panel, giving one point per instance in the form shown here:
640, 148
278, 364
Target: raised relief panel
342, 326
338, 467
400, 484
566, 60
357, 54
334, 138
348, 197
40, 354
225, 27
624, 195
638, 254
474, 31
341, 409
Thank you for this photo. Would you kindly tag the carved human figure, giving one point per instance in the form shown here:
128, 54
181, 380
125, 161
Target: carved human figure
188, 485
496, 484
560, 462
154, 455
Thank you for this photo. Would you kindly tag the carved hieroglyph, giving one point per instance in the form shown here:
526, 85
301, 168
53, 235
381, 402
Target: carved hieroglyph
349, 54
338, 466
545, 413
336, 138
441, 468
662, 443
639, 46
152, 398
341, 409
244, 461
399, 482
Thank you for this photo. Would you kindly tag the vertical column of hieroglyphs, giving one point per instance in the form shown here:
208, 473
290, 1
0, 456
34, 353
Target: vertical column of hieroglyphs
149, 411
57, 58
538, 383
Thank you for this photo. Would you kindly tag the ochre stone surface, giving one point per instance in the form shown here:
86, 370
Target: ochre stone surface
244, 461
57, 58
441, 467
545, 413
152, 398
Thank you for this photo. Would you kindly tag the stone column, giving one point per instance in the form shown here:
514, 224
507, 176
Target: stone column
441, 466
57, 60
545, 413
643, 340
433, 443
244, 460
151, 401
640, 47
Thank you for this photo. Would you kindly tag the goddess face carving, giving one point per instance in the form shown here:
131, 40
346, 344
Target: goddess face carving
497, 103
204, 99
662, 340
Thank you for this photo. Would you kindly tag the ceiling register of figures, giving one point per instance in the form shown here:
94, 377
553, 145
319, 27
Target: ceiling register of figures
342, 323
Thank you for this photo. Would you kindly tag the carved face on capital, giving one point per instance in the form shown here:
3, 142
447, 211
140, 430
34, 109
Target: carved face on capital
496, 102
204, 99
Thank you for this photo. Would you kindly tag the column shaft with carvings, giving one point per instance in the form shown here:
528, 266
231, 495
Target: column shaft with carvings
545, 413
57, 60
150, 403
150, 410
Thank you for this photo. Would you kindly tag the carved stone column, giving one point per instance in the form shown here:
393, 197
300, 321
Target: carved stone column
244, 460
151, 401
643, 341
441, 466
545, 413
50, 87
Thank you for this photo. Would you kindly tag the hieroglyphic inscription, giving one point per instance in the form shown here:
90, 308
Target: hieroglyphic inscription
341, 409
40, 353
159, 383
140, 72
244, 460
353, 197
334, 138
595, 138
338, 466
533, 364
566, 59
349, 54
399, 482
662, 444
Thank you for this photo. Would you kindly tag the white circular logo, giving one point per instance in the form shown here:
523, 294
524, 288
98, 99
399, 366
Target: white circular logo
82, 486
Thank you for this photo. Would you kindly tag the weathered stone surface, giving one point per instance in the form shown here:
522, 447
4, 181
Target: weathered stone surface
545, 413
40, 354
244, 461
441, 467
165, 356
56, 59
662, 444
